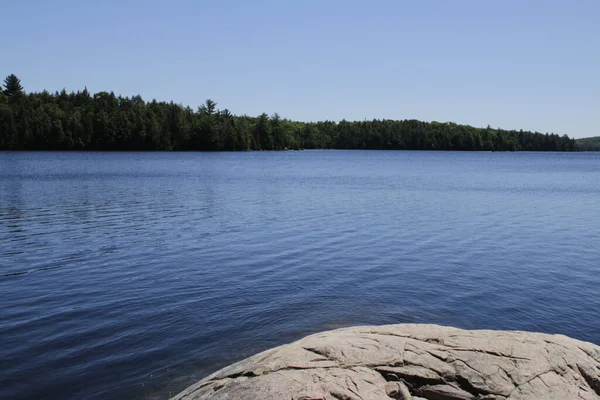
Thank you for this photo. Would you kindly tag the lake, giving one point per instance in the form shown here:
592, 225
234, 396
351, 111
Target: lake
132, 275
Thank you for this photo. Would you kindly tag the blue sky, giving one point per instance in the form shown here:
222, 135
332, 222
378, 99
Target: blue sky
527, 64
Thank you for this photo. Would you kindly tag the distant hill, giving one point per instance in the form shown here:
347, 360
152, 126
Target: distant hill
588, 144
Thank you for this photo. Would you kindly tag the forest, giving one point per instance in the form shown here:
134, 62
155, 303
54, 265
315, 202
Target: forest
588, 144
104, 121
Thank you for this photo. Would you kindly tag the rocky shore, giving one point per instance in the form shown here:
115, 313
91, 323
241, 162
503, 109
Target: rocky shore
412, 362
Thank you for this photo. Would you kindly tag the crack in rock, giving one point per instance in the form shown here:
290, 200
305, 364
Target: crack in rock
592, 379
430, 362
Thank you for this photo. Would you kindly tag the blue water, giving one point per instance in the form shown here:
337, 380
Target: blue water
131, 275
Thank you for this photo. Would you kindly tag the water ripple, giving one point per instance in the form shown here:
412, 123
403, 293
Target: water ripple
133, 275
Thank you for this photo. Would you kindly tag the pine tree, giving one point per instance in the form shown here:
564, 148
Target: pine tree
13, 85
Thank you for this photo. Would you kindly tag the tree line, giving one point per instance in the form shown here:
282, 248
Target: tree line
588, 144
105, 121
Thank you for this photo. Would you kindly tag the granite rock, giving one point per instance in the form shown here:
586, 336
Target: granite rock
412, 362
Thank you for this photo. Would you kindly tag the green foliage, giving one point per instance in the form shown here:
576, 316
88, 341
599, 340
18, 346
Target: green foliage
12, 86
588, 144
104, 121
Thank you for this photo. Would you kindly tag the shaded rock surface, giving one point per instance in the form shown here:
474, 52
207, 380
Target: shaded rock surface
412, 362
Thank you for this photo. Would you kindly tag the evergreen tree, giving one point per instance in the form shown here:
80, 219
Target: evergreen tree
12, 86
104, 121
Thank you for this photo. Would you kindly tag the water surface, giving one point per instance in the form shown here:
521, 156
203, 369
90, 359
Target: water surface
131, 275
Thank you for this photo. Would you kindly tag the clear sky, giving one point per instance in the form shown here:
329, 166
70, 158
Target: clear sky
530, 64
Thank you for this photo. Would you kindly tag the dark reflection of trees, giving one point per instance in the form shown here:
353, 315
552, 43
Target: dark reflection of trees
11, 192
